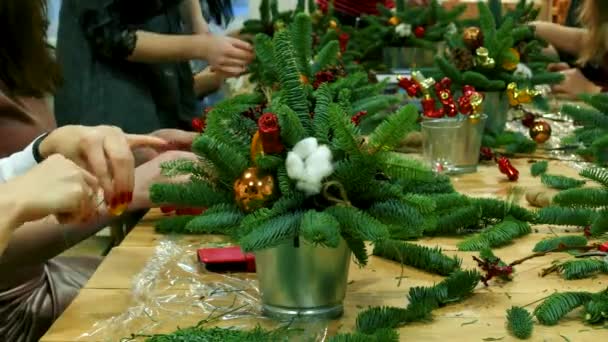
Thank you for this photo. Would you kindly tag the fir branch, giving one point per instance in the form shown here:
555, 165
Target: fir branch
599, 226
391, 131
582, 198
286, 186
380, 335
421, 257
321, 120
292, 129
562, 242
179, 167
449, 70
378, 318
596, 309
454, 221
326, 57
173, 224
357, 246
301, 39
268, 163
198, 194
439, 184
582, 268
359, 224
394, 212
519, 322
396, 166
215, 222
561, 182
424, 204
600, 175
496, 236
265, 56
290, 78
320, 228
497, 209
566, 216
597, 101
450, 201
346, 135
539, 168
586, 116
272, 233
558, 305
230, 164
373, 104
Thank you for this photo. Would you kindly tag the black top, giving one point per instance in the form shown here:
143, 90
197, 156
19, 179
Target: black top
101, 87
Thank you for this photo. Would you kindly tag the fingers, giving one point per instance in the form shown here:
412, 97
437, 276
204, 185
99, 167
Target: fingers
122, 167
240, 44
233, 62
240, 54
558, 66
232, 71
138, 140
96, 156
176, 139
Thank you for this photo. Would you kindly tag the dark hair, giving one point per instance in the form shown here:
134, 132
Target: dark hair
27, 66
220, 11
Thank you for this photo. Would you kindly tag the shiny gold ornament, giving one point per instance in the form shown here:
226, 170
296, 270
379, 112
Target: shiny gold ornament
252, 191
483, 58
511, 64
474, 118
303, 79
472, 37
394, 21
540, 131
520, 96
333, 24
476, 101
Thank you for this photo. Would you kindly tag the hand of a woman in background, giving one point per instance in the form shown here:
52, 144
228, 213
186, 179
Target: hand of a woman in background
177, 140
57, 186
106, 152
575, 83
227, 55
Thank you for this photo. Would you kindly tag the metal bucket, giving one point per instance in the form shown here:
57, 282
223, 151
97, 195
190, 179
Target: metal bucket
304, 281
496, 106
452, 145
399, 59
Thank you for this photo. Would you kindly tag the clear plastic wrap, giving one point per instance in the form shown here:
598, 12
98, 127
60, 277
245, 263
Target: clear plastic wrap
173, 290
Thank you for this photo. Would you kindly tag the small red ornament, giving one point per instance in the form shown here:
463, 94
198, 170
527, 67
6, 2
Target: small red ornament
505, 166
419, 31
198, 125
603, 247
268, 127
464, 102
486, 153
528, 120
428, 108
321, 77
356, 119
167, 210
412, 87
189, 211
343, 40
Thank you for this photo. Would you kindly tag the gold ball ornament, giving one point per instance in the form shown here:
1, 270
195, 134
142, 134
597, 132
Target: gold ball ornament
510, 64
304, 79
333, 24
473, 37
540, 131
394, 21
252, 191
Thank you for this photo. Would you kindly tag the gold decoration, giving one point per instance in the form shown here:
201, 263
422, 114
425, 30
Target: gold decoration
118, 209
483, 58
473, 37
333, 24
253, 192
476, 101
540, 131
520, 96
394, 21
256, 146
303, 79
511, 65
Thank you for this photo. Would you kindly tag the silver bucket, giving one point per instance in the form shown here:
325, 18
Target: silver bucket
452, 145
304, 281
399, 59
496, 106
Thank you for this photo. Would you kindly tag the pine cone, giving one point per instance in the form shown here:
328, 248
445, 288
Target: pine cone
462, 58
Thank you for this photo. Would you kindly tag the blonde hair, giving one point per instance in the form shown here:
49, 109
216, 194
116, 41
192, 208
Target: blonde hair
594, 17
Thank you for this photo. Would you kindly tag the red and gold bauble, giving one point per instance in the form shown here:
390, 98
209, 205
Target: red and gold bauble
540, 131
253, 191
473, 37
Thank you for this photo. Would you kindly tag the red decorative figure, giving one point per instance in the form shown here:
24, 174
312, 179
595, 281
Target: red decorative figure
505, 166
428, 108
268, 126
486, 153
412, 87
419, 31
343, 40
464, 102
443, 92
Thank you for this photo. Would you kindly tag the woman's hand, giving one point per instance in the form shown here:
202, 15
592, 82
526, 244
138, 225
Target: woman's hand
57, 186
106, 152
226, 55
575, 83
177, 140
150, 173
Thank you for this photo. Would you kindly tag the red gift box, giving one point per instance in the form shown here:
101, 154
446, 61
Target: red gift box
226, 259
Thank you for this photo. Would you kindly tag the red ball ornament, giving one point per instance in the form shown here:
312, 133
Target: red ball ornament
540, 131
505, 167
603, 247
198, 125
419, 31
528, 120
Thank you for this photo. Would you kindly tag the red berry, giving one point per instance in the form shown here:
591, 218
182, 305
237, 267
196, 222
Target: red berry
603, 247
198, 124
419, 32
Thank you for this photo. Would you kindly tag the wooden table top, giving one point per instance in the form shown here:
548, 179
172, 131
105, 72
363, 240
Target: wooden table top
479, 318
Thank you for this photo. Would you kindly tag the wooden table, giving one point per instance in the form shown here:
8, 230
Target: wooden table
479, 318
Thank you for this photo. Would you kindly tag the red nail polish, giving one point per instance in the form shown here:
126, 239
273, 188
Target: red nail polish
124, 198
130, 199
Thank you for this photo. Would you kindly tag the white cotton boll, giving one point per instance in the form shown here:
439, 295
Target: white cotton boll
403, 30
319, 165
309, 188
295, 166
305, 147
523, 70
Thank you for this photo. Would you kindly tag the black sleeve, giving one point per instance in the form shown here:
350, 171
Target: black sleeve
110, 27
